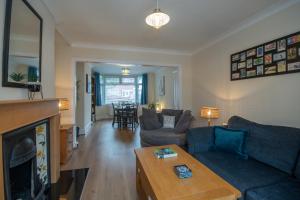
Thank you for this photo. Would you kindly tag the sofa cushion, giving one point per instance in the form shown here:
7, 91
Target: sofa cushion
230, 140
172, 112
285, 190
274, 145
297, 168
169, 121
236, 122
150, 120
162, 136
243, 174
184, 122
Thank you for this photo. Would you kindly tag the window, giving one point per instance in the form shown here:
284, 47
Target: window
115, 89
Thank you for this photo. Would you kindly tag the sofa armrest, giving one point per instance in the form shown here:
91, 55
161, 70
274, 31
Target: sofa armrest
199, 139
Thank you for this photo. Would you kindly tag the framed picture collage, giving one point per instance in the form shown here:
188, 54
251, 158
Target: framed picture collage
280, 56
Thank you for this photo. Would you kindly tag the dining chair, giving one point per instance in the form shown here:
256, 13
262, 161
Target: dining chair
116, 115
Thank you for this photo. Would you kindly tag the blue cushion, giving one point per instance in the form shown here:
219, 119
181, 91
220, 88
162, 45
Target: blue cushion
230, 140
242, 174
284, 190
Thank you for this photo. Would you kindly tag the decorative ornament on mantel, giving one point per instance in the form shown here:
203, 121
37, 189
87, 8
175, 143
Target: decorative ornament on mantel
34, 87
157, 19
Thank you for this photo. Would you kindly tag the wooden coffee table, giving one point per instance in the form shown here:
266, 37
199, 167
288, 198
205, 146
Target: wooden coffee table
156, 179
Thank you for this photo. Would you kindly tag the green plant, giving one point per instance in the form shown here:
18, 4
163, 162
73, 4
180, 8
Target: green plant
17, 76
152, 106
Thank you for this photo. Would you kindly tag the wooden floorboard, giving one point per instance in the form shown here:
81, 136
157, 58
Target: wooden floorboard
109, 153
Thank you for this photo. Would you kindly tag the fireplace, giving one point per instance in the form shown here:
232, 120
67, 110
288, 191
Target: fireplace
26, 162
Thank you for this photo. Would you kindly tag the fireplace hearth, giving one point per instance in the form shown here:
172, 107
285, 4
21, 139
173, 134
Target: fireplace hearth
26, 162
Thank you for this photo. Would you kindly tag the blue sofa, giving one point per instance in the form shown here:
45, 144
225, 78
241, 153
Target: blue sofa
272, 171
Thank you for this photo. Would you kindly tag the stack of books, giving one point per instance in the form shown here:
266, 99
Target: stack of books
165, 153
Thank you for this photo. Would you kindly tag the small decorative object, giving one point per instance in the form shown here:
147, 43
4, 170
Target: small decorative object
34, 87
17, 77
209, 113
280, 56
165, 153
152, 106
183, 171
63, 104
162, 88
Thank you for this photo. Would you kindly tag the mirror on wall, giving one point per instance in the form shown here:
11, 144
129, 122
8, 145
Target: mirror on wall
22, 44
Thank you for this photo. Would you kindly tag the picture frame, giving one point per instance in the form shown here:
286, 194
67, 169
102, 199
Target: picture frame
162, 86
276, 57
88, 85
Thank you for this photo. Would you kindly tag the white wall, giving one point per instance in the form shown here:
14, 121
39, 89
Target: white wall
65, 84
83, 104
271, 100
167, 100
48, 69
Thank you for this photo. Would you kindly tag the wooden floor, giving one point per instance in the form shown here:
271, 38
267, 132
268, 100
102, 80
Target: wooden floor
109, 153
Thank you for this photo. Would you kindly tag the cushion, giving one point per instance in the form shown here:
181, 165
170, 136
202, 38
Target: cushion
169, 121
184, 122
277, 146
150, 120
242, 174
274, 145
284, 190
297, 168
162, 136
229, 140
171, 112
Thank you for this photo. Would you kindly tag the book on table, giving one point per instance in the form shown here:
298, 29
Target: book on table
183, 171
165, 153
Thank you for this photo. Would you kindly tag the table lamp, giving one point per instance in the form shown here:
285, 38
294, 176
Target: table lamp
63, 104
209, 113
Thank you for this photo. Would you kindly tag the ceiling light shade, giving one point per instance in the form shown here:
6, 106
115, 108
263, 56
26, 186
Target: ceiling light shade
125, 71
157, 19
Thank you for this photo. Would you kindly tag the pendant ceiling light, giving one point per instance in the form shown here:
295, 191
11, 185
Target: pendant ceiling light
125, 71
157, 19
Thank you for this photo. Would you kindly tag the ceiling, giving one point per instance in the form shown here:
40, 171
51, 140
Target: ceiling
121, 23
115, 68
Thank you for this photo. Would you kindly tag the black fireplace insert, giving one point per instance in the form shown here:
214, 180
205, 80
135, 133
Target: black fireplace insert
27, 162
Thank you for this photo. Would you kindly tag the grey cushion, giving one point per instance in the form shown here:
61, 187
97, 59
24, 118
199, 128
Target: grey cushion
172, 112
184, 122
284, 190
162, 136
274, 145
150, 120
243, 174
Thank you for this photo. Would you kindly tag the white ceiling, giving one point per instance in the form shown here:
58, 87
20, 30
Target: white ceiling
121, 23
115, 69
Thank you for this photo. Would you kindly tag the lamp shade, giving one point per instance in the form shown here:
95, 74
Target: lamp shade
210, 113
64, 104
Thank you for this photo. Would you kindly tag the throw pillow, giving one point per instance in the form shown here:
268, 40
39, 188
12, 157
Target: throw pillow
184, 122
150, 120
171, 112
230, 140
169, 121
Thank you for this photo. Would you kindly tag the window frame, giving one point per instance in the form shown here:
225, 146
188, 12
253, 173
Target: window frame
136, 85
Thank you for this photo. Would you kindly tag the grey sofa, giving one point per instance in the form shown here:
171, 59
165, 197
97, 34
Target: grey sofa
158, 136
272, 171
